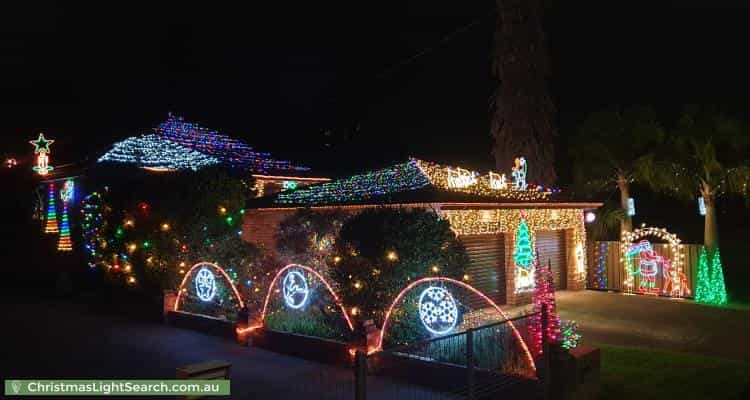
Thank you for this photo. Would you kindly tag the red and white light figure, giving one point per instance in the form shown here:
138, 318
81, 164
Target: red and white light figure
41, 150
543, 304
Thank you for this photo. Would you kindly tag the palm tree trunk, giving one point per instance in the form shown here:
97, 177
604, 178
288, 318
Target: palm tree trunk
711, 228
626, 223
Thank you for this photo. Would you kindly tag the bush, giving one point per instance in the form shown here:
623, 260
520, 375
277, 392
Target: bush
380, 251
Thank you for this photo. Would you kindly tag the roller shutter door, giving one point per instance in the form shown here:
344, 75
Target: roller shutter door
486, 266
551, 246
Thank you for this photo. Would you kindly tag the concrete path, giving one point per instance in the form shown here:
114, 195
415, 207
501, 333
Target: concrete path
659, 323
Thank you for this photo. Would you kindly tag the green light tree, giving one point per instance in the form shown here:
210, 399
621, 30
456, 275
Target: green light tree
524, 253
710, 287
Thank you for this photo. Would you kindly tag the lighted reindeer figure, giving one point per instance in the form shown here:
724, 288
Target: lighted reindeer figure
519, 173
670, 276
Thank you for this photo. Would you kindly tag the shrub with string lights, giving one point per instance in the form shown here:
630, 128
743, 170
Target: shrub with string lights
380, 251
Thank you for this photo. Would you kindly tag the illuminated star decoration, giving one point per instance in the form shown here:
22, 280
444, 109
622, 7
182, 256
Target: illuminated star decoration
41, 145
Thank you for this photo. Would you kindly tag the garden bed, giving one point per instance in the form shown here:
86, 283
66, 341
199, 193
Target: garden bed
202, 323
307, 347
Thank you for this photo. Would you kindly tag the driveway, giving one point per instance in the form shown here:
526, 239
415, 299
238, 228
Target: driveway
658, 323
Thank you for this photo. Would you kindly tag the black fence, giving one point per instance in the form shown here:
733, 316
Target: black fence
480, 363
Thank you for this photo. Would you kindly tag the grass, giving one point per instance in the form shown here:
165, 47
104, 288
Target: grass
632, 373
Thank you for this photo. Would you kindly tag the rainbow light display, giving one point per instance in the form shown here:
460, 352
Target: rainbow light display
51, 225
226, 149
64, 243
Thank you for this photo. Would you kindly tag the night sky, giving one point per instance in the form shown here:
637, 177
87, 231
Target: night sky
344, 86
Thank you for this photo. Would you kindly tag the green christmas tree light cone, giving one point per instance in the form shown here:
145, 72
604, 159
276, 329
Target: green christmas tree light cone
524, 254
718, 288
704, 277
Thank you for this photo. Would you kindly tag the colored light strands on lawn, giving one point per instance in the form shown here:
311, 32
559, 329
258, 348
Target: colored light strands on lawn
710, 288
205, 284
295, 289
157, 154
357, 188
437, 310
64, 242
51, 225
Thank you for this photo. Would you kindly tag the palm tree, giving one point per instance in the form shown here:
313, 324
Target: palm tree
707, 156
606, 150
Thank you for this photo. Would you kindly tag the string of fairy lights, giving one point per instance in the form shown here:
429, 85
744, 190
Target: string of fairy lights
226, 149
157, 153
412, 175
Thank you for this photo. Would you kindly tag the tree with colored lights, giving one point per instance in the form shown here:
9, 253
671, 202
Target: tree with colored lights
523, 114
606, 150
545, 308
524, 253
707, 154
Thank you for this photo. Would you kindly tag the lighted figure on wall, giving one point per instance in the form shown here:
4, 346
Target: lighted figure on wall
523, 257
647, 266
438, 310
520, 169
205, 284
41, 150
460, 178
295, 290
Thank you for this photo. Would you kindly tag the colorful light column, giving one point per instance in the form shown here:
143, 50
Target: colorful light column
66, 195
51, 226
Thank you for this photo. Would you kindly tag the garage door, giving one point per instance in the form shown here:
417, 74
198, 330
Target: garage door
551, 246
486, 266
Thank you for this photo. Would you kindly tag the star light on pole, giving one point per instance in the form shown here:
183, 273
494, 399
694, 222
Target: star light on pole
41, 148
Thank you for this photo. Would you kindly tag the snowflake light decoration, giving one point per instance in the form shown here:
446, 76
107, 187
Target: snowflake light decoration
295, 290
205, 284
437, 310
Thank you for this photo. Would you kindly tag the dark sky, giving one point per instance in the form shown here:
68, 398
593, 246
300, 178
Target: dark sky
280, 76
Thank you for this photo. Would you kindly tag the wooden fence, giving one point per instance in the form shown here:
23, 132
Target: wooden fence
607, 272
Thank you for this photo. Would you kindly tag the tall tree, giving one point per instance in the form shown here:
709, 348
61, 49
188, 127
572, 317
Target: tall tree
606, 148
708, 156
522, 121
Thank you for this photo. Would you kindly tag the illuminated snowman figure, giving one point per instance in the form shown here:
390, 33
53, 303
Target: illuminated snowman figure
295, 289
519, 173
437, 310
205, 284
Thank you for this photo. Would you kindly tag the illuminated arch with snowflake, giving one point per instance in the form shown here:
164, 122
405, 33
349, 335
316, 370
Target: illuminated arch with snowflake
203, 295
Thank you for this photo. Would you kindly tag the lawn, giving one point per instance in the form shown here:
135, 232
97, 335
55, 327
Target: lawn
633, 373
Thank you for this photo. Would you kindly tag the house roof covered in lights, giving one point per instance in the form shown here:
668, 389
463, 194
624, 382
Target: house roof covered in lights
416, 181
177, 144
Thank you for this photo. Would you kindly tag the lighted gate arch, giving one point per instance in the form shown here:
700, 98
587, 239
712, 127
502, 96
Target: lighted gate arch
677, 284
336, 298
214, 266
468, 287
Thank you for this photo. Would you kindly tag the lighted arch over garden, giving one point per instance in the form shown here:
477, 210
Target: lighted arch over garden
206, 286
463, 285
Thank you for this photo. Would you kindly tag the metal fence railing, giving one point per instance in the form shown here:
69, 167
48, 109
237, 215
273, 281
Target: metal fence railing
478, 363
